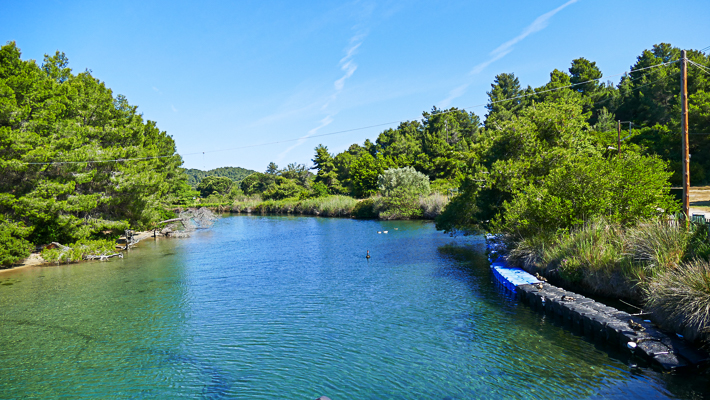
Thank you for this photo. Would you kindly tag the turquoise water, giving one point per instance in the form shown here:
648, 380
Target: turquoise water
290, 308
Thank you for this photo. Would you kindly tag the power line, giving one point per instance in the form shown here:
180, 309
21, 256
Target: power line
99, 161
535, 93
702, 67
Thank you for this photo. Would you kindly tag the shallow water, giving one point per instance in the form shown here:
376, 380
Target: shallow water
290, 308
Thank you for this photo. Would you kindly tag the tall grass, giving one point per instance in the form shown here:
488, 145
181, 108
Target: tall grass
433, 205
341, 206
328, 206
606, 258
681, 298
657, 262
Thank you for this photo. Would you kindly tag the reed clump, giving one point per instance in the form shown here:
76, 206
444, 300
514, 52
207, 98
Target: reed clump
680, 298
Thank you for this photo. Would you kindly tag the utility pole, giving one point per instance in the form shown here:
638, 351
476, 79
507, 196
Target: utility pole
618, 136
684, 134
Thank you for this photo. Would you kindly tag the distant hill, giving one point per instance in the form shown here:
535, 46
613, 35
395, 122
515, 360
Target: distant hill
237, 174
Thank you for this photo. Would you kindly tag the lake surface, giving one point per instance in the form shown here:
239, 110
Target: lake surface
290, 308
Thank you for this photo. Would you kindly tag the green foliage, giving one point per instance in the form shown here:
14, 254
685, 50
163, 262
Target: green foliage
327, 173
400, 189
319, 190
13, 245
48, 114
257, 183
236, 174
272, 169
583, 74
520, 153
505, 86
365, 209
622, 190
399, 207
283, 188
215, 184
79, 251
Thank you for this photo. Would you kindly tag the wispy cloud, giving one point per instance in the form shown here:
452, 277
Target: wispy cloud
174, 109
504, 49
157, 90
348, 66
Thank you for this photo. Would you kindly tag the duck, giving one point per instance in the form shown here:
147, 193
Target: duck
636, 326
368, 255
567, 298
539, 286
385, 231
540, 277
379, 232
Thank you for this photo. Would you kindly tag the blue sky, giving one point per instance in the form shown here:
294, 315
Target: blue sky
221, 76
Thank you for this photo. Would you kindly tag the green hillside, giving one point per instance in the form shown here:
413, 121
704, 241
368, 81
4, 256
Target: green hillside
237, 174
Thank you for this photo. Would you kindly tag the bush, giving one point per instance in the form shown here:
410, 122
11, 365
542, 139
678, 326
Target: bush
659, 245
13, 245
400, 189
621, 190
365, 209
79, 251
398, 207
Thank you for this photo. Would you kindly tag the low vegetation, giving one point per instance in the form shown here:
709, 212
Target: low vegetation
657, 262
79, 251
681, 298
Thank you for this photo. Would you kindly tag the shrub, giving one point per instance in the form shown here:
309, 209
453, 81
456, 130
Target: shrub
401, 189
402, 181
622, 191
79, 251
365, 209
398, 207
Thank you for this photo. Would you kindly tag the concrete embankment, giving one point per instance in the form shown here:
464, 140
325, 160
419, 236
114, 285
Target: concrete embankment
618, 329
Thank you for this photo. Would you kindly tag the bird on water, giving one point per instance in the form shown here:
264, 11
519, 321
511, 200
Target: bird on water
368, 255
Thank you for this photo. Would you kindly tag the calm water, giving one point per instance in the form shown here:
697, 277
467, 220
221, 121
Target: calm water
289, 308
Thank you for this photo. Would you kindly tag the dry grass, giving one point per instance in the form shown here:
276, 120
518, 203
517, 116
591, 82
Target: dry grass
433, 205
700, 199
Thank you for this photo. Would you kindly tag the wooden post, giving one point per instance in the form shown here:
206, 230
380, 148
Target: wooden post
618, 136
684, 134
